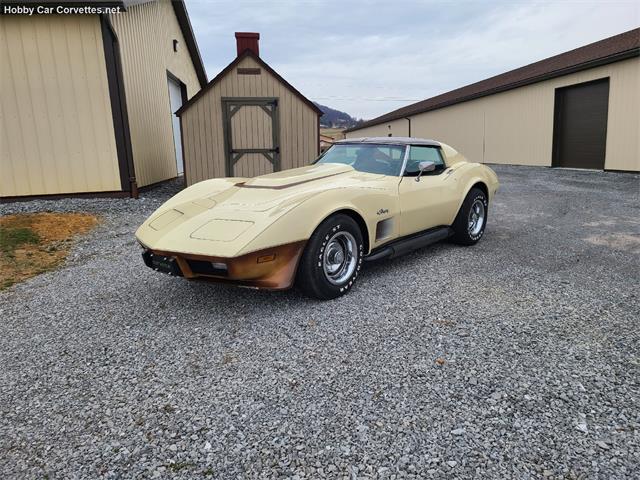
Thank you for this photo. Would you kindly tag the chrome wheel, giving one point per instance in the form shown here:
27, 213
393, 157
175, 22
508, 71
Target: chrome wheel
340, 257
476, 217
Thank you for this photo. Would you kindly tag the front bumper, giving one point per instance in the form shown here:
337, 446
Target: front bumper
272, 268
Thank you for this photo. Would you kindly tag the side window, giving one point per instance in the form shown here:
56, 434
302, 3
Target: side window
393, 153
424, 154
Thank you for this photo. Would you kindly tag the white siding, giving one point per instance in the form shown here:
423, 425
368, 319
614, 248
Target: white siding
146, 33
56, 127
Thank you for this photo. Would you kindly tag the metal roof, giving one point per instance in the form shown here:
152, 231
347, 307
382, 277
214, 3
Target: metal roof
391, 141
612, 49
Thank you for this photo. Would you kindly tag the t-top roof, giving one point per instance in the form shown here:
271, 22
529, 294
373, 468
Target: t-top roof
612, 49
231, 66
391, 141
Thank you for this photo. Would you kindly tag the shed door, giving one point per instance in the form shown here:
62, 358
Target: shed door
580, 126
252, 136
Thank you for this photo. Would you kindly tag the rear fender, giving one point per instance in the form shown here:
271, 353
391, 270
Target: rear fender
478, 174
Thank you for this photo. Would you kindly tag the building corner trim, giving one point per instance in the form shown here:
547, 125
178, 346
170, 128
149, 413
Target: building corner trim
119, 113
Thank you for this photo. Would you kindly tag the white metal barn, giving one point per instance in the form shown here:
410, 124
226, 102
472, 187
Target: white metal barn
579, 109
87, 100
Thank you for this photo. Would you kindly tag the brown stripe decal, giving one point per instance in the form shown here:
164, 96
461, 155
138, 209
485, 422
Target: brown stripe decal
281, 187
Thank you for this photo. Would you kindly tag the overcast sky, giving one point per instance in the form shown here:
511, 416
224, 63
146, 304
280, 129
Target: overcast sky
370, 57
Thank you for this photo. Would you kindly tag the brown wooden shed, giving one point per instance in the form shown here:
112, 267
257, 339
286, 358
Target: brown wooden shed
247, 121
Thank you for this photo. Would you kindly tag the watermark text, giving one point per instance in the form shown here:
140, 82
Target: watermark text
58, 10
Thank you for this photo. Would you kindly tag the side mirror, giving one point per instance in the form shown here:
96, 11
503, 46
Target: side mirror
425, 167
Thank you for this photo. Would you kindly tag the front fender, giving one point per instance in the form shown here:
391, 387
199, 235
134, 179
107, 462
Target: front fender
204, 189
301, 220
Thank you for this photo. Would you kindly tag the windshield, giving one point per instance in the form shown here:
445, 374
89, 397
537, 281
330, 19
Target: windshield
369, 158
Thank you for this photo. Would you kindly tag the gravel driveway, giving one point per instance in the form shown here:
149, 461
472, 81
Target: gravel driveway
516, 358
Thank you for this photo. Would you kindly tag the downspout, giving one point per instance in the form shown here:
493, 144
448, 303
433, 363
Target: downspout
408, 119
125, 118
319, 149
484, 133
118, 106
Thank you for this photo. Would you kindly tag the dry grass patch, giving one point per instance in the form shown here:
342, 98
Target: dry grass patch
34, 243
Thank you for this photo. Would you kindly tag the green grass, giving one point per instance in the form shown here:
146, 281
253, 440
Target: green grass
13, 237
34, 243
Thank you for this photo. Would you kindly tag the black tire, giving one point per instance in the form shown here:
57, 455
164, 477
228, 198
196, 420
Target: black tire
464, 234
311, 277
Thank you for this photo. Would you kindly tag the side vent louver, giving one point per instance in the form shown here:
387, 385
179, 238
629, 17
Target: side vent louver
384, 228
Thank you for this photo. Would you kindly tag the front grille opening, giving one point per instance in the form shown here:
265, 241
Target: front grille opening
202, 267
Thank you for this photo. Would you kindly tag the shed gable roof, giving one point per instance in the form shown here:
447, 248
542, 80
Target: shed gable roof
231, 66
612, 49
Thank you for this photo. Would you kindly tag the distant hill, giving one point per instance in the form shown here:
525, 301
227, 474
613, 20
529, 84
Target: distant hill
333, 118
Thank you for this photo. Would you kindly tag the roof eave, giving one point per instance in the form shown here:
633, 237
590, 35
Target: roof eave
182, 15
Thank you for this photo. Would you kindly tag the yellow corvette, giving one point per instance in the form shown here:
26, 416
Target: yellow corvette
363, 199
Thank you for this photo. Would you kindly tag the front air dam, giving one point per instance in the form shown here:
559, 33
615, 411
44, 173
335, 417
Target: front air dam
271, 268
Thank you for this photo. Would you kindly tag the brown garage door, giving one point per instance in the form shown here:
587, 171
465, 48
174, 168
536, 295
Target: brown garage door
580, 125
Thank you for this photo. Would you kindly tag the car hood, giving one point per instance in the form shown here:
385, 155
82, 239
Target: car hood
223, 215
268, 191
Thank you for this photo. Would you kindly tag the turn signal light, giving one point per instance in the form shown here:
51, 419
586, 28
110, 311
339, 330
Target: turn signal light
267, 258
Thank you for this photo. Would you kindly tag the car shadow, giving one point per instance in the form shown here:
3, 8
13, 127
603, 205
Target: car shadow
224, 302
